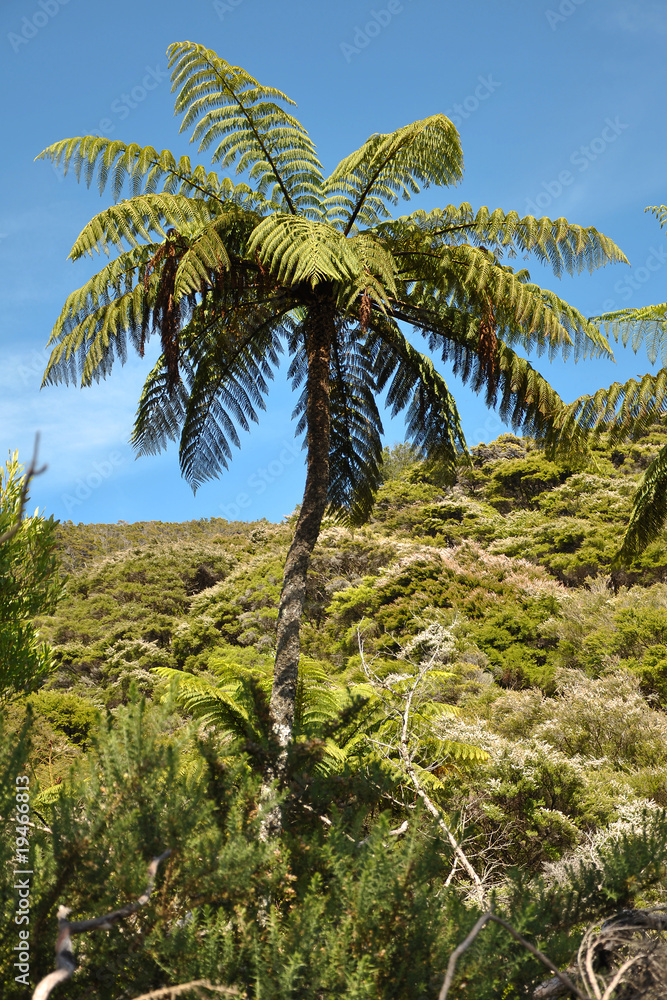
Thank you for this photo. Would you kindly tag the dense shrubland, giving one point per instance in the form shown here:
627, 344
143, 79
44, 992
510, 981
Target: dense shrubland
537, 731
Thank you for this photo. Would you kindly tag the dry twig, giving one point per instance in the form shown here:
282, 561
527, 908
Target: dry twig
65, 964
406, 758
198, 986
465, 944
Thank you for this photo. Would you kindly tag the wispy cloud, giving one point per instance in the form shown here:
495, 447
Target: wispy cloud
76, 427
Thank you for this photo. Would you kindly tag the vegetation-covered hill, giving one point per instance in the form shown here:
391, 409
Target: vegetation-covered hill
541, 730
505, 552
507, 569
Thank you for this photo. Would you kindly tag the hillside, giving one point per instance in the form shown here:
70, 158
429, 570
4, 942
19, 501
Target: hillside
504, 548
540, 728
512, 560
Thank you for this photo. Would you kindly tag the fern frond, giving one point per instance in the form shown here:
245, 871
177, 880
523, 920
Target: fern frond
142, 168
660, 212
140, 217
227, 709
468, 279
296, 250
356, 428
243, 122
160, 412
205, 256
621, 411
520, 394
318, 701
98, 317
390, 166
649, 510
556, 243
646, 324
432, 417
227, 382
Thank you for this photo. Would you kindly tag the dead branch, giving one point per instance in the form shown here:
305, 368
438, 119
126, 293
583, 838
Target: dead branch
627, 949
31, 472
406, 758
197, 986
562, 977
65, 963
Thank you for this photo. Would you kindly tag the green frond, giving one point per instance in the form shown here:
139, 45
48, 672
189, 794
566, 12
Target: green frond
243, 123
660, 212
296, 249
646, 324
524, 398
142, 216
96, 319
556, 243
205, 256
225, 381
520, 394
390, 166
231, 703
318, 701
623, 410
469, 279
230, 710
227, 378
142, 168
432, 417
160, 412
356, 428
649, 509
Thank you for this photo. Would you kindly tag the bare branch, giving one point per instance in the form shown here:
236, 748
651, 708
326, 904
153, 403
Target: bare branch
406, 758
197, 985
65, 963
465, 944
458, 951
563, 976
31, 472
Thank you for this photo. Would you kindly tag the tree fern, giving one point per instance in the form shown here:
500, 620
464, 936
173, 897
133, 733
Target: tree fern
228, 275
627, 410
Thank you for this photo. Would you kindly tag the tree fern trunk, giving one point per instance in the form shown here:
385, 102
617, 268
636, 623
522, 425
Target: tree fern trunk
320, 331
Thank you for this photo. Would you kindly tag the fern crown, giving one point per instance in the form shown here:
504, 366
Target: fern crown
229, 273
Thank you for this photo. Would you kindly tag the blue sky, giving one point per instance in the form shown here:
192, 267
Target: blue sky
560, 106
